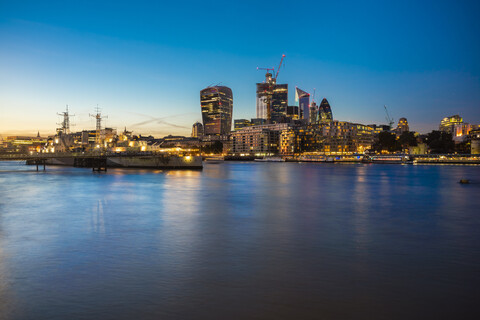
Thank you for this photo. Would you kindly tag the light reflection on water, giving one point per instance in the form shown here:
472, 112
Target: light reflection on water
239, 240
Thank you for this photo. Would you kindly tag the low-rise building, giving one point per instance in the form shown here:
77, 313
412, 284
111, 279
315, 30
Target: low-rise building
336, 137
262, 140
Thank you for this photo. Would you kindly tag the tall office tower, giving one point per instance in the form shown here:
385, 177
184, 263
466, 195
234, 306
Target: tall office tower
402, 126
197, 130
264, 96
262, 99
325, 112
279, 103
217, 109
303, 99
313, 113
275, 95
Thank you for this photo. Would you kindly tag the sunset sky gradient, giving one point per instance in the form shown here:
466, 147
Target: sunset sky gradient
144, 62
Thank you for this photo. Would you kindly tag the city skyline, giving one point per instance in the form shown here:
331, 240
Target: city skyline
144, 66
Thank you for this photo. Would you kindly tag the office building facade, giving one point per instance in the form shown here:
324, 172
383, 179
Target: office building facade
447, 124
278, 96
217, 108
303, 99
197, 130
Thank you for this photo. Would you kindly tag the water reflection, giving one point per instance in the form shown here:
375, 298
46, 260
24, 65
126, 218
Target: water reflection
97, 220
239, 240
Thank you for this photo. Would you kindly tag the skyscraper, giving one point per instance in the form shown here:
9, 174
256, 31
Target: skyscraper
279, 103
217, 109
325, 112
277, 95
313, 113
197, 130
303, 98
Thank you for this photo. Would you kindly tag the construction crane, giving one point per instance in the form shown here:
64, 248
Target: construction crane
268, 69
388, 118
278, 70
270, 82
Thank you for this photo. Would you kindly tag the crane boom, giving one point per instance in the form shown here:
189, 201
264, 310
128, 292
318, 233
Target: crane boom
389, 119
268, 69
278, 70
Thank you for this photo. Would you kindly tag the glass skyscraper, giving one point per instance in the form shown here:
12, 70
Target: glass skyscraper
217, 109
262, 97
278, 93
279, 103
303, 98
325, 112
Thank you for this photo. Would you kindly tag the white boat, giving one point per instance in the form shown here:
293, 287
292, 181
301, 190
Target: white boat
270, 159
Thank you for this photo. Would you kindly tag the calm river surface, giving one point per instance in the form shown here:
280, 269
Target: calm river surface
240, 241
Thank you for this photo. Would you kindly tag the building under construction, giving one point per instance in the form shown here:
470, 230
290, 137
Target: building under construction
272, 98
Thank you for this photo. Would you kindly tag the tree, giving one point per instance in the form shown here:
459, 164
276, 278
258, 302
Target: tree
463, 147
387, 141
216, 147
440, 142
407, 139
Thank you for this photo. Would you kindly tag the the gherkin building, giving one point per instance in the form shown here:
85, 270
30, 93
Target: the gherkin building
325, 112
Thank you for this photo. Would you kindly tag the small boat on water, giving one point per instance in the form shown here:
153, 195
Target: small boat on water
314, 158
391, 159
214, 159
270, 159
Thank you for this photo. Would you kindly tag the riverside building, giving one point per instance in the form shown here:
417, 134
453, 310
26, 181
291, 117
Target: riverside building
447, 124
334, 138
262, 140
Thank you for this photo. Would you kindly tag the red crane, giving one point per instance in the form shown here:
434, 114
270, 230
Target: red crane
278, 70
270, 81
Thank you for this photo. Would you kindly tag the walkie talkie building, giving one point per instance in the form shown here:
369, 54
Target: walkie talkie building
217, 109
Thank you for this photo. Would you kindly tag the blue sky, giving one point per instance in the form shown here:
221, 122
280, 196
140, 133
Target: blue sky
144, 62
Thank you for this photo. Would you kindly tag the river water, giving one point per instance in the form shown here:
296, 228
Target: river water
240, 241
